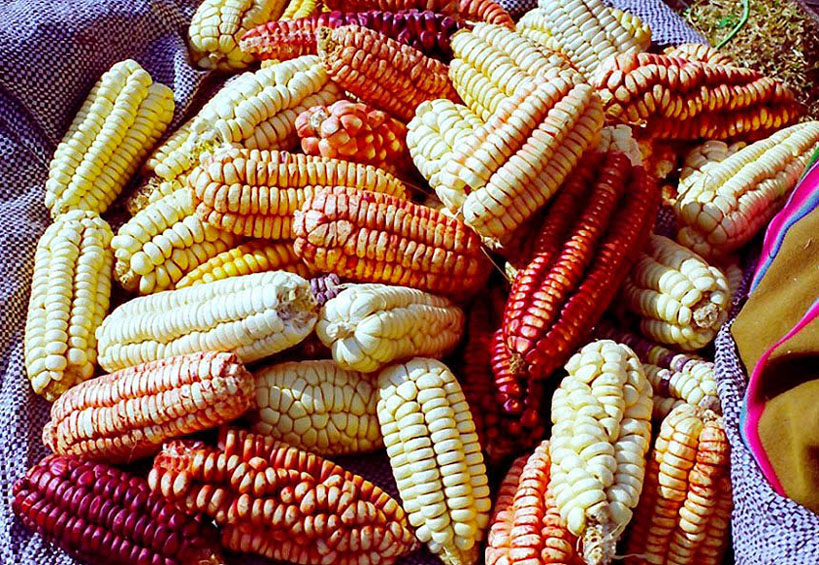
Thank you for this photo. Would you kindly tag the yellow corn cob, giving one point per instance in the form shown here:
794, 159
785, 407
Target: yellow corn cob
601, 416
247, 258
70, 292
317, 406
127, 415
635, 27
721, 208
163, 242
297, 9
156, 161
435, 457
370, 325
685, 510
534, 25
256, 193
493, 62
707, 155
511, 166
433, 134
587, 31
619, 138
680, 298
218, 25
253, 316
257, 110
123, 116
153, 189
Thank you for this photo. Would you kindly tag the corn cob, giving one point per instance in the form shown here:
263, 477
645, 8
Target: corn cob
601, 416
526, 526
368, 326
372, 237
637, 28
151, 190
123, 116
355, 132
680, 298
463, 10
253, 257
590, 238
699, 52
126, 415
281, 502
663, 405
381, 71
681, 376
164, 242
99, 514
155, 164
685, 509
253, 316
534, 25
426, 31
435, 457
492, 63
70, 292
317, 406
325, 288
619, 139
680, 99
506, 170
734, 274
298, 9
707, 155
722, 208
256, 193
217, 26
432, 135
587, 31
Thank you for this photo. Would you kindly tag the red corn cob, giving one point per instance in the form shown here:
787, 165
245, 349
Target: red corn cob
100, 514
580, 261
469, 10
281, 502
427, 31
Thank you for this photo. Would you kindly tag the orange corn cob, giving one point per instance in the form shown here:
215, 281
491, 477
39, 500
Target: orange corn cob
356, 132
678, 98
255, 193
365, 236
126, 415
582, 255
470, 10
281, 502
381, 71
684, 512
526, 526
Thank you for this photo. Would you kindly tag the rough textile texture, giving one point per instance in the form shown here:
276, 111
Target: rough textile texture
51, 53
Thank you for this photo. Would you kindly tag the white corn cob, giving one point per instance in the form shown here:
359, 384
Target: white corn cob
620, 139
253, 316
435, 457
706, 155
369, 325
601, 416
70, 292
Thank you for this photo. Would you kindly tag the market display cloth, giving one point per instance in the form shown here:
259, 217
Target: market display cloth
777, 335
51, 53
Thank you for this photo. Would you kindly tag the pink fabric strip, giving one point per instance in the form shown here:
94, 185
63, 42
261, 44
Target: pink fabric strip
755, 404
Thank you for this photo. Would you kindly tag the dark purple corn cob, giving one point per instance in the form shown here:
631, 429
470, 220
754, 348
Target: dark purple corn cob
427, 31
325, 287
100, 514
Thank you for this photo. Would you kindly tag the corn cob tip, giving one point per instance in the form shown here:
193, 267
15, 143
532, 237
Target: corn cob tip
325, 43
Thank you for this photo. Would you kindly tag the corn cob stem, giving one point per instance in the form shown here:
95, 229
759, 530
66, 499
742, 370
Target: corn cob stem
101, 418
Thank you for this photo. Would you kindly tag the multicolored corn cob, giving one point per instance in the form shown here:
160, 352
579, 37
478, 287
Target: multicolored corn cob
591, 236
464, 10
356, 132
722, 208
428, 32
218, 25
123, 116
601, 416
382, 72
256, 193
372, 237
680, 298
70, 293
125, 416
156, 248
317, 406
684, 513
102, 515
368, 326
325, 288
526, 526
283, 503
435, 458
253, 316
676, 98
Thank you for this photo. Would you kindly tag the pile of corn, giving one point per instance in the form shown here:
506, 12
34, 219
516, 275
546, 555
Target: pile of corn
288, 270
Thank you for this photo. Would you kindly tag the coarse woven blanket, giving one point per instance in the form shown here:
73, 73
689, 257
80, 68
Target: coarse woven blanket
51, 53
